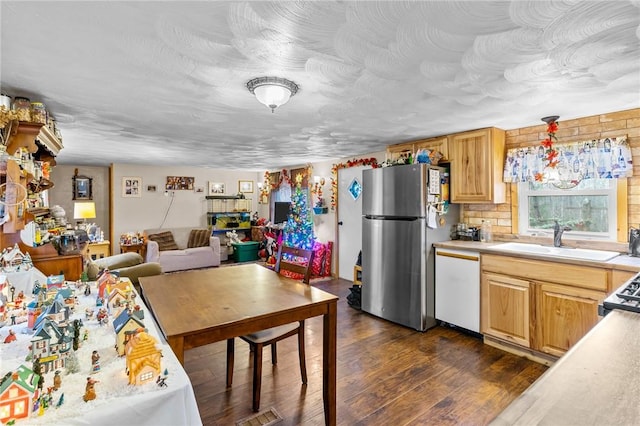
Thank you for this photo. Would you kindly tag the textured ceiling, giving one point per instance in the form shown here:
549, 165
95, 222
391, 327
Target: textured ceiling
163, 83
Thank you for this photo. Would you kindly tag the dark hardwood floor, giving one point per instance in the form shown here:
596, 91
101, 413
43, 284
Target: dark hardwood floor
387, 375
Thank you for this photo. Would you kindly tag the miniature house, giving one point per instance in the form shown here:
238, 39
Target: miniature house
56, 312
124, 285
143, 358
124, 326
55, 281
117, 299
105, 278
33, 312
67, 297
16, 391
12, 259
51, 343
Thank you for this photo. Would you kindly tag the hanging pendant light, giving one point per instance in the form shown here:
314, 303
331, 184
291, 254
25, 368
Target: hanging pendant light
558, 171
272, 91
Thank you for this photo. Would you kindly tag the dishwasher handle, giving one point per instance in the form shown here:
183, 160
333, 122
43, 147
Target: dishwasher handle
458, 256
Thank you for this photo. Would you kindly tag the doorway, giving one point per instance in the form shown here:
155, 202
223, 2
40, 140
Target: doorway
349, 219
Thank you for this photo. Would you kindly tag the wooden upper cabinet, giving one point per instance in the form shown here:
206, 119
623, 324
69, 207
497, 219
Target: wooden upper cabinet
440, 144
401, 150
477, 162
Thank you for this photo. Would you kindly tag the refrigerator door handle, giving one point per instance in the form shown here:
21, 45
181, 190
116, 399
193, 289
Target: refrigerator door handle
403, 218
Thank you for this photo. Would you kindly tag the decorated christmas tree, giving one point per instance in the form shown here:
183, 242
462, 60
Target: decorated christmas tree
298, 232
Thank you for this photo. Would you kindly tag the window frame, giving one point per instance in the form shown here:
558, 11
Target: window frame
618, 215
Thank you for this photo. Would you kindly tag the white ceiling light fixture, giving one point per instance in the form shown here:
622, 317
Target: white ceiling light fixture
272, 91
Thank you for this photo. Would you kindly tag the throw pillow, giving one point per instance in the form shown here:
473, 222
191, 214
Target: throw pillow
198, 238
165, 241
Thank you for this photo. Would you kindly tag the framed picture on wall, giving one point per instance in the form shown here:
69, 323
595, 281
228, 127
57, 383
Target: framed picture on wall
245, 186
131, 187
82, 188
179, 183
216, 188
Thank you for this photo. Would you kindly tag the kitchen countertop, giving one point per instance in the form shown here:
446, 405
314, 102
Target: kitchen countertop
597, 382
623, 262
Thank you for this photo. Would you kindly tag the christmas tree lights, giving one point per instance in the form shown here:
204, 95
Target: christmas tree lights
298, 232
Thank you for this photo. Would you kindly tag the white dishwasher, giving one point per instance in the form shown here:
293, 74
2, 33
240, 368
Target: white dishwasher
457, 288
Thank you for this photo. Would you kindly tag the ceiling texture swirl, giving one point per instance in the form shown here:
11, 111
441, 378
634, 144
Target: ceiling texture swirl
163, 83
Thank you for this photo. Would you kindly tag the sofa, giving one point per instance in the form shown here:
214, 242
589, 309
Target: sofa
182, 248
129, 265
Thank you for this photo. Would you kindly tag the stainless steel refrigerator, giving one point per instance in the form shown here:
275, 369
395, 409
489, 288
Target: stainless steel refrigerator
397, 253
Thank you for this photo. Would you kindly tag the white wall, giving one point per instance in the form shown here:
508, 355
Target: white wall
324, 225
189, 208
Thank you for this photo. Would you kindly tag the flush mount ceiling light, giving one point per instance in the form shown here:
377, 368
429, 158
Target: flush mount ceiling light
272, 91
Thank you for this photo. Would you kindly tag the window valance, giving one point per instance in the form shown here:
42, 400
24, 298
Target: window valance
608, 158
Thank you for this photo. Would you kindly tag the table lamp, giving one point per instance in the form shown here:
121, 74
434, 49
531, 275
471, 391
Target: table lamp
84, 210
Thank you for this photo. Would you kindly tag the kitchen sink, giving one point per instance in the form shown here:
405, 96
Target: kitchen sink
566, 252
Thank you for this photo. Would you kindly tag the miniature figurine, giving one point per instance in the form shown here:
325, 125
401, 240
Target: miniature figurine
161, 382
37, 367
89, 390
11, 337
57, 380
85, 335
87, 289
60, 401
95, 362
88, 313
102, 316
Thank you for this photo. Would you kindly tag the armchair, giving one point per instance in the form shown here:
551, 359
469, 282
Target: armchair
129, 265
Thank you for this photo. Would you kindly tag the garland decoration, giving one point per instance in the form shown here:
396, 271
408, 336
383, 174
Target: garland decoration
351, 163
266, 186
284, 176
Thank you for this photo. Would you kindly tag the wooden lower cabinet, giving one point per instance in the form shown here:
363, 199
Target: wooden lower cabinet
505, 308
521, 306
566, 314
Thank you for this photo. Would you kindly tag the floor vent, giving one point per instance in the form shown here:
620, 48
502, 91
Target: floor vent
263, 418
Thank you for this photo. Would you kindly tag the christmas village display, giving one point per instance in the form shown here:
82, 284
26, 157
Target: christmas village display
58, 340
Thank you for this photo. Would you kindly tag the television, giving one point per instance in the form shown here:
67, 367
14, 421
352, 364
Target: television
281, 211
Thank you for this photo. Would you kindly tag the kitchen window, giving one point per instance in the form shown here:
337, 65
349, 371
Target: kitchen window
589, 209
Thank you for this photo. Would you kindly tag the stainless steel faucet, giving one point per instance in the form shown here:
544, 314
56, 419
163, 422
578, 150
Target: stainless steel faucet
557, 233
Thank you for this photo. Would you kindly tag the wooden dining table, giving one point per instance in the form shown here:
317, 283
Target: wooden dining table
200, 307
